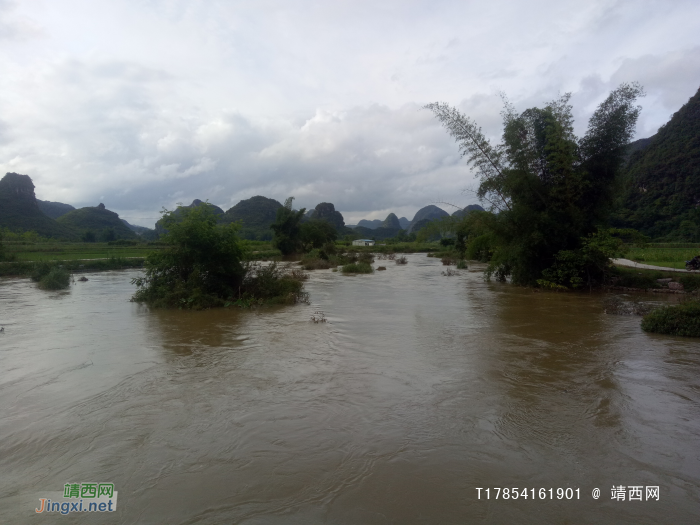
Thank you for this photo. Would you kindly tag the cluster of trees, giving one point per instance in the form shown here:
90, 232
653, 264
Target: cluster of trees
291, 235
204, 265
550, 193
104, 235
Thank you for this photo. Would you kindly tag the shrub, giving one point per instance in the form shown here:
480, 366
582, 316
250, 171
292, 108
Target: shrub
56, 279
200, 267
401, 260
359, 267
682, 319
448, 261
271, 284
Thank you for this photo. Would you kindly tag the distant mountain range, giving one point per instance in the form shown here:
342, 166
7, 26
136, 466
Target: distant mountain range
660, 197
20, 210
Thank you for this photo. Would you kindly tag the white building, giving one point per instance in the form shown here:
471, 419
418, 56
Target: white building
363, 242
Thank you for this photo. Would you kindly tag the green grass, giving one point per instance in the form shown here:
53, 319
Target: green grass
682, 319
74, 251
669, 255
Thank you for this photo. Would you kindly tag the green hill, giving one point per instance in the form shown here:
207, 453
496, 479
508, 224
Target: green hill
96, 219
54, 209
19, 210
256, 215
661, 195
428, 213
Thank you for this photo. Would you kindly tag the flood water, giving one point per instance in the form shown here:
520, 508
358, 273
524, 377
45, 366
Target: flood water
419, 389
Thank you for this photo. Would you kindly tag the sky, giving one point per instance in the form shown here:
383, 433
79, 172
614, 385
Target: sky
144, 104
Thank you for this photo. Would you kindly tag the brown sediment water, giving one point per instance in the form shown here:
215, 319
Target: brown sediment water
418, 390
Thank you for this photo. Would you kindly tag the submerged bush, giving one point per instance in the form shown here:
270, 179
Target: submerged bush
56, 279
358, 267
202, 267
682, 319
401, 260
271, 284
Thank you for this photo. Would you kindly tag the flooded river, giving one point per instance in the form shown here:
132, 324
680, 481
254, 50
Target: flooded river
418, 390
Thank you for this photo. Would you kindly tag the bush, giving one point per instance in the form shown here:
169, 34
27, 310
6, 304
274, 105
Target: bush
56, 279
682, 319
271, 284
401, 260
201, 266
359, 267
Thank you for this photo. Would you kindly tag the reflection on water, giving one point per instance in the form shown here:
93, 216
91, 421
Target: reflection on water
419, 389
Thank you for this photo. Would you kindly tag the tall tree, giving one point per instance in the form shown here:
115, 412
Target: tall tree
287, 228
547, 189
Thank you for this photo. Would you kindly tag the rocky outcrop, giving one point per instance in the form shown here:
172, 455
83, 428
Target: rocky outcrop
326, 211
19, 210
392, 222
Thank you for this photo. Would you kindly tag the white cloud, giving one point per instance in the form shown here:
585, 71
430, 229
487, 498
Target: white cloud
153, 103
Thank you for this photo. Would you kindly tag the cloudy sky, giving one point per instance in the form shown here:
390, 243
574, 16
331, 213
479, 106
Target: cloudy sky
142, 104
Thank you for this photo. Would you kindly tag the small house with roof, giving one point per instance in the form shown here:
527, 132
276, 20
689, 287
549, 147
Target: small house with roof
363, 242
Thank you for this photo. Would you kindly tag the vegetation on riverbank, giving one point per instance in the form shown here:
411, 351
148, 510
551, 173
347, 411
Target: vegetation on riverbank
550, 192
681, 319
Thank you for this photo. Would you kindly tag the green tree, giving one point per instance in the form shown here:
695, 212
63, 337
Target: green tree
107, 235
201, 266
88, 236
548, 190
287, 228
2, 248
316, 233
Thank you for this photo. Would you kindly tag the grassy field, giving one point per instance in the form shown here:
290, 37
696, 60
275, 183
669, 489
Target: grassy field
670, 255
65, 251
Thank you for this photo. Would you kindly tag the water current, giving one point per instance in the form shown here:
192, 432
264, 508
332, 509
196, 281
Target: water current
418, 390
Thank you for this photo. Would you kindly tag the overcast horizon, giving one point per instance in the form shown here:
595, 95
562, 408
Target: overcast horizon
141, 105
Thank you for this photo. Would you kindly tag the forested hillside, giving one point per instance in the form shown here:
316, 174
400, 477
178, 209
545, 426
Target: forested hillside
661, 184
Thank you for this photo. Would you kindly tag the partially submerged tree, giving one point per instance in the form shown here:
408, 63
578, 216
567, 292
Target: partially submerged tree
201, 266
548, 190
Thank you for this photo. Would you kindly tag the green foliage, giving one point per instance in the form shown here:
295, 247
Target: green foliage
97, 219
199, 268
271, 284
287, 228
551, 189
108, 235
50, 277
682, 320
588, 265
316, 233
88, 236
56, 279
661, 188
358, 267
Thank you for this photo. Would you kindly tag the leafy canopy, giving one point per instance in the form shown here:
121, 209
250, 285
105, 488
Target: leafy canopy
547, 189
287, 228
200, 267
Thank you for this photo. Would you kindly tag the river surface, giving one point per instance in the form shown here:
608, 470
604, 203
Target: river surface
418, 390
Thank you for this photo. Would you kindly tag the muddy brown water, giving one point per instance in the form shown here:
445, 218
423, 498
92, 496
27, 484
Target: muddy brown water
418, 390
